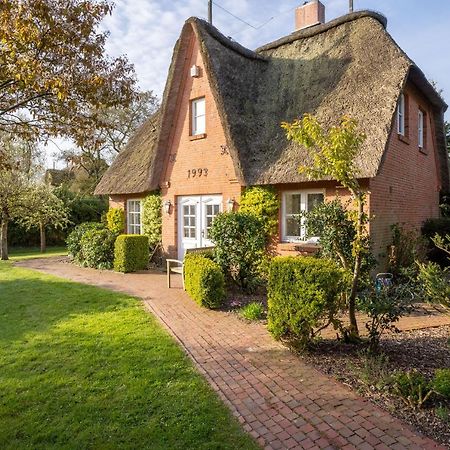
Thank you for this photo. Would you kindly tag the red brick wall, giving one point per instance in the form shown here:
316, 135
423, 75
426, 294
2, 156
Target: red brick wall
406, 190
185, 154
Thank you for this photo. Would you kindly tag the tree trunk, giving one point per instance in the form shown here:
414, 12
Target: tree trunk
4, 240
354, 332
43, 239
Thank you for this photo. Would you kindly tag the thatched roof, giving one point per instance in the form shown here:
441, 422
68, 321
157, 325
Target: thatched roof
350, 66
132, 171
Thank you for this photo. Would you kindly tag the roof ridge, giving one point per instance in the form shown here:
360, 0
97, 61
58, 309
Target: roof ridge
224, 40
317, 29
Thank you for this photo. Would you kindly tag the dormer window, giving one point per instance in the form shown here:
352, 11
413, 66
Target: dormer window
198, 122
401, 115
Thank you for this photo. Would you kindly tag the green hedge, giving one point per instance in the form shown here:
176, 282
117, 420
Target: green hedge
204, 281
130, 253
73, 240
303, 295
97, 248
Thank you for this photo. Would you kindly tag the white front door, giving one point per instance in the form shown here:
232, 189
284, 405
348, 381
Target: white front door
195, 216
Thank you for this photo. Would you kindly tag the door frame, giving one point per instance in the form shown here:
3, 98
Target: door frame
200, 218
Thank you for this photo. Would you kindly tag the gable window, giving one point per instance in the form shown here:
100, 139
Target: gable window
421, 129
401, 115
134, 225
293, 204
198, 120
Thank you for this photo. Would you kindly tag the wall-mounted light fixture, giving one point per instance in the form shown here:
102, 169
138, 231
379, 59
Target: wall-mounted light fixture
195, 71
167, 206
230, 204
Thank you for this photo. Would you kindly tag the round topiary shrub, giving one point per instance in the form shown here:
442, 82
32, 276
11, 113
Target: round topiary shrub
97, 249
73, 240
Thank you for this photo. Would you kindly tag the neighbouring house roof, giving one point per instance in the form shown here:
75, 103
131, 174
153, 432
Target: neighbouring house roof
350, 66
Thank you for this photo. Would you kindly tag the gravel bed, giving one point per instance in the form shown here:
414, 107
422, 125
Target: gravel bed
424, 350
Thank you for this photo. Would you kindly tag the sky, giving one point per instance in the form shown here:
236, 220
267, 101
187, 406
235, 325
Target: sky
146, 30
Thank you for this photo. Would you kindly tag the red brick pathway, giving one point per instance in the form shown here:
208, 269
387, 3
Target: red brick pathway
282, 402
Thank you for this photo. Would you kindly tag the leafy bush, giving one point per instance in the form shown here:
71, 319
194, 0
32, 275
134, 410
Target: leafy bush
240, 243
434, 283
115, 220
130, 253
412, 387
407, 248
204, 281
384, 309
151, 218
304, 296
252, 311
97, 248
73, 240
263, 202
430, 228
441, 382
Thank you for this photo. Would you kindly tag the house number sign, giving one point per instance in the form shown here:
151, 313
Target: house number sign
192, 173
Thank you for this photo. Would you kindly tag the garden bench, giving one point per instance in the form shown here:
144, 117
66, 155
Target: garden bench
177, 266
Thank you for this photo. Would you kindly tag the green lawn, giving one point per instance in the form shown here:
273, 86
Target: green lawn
82, 367
18, 253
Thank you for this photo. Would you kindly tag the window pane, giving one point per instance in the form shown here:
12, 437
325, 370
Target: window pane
292, 227
293, 203
200, 127
200, 107
314, 200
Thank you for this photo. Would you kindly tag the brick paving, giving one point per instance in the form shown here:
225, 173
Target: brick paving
281, 401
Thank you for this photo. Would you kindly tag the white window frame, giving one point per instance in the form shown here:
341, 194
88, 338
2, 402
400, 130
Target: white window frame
303, 205
401, 115
196, 127
421, 128
129, 213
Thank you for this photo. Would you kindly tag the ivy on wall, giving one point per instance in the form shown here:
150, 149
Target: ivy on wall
262, 201
151, 218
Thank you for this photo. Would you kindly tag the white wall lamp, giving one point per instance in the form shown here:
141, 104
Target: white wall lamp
167, 206
230, 204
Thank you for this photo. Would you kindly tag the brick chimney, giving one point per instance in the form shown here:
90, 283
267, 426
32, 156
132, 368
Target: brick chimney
309, 14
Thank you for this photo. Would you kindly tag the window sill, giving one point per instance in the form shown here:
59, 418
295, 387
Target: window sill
423, 151
197, 137
404, 139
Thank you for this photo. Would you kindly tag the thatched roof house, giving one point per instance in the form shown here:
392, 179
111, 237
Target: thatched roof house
350, 65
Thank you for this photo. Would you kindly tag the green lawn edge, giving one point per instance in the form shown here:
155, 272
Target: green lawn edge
84, 367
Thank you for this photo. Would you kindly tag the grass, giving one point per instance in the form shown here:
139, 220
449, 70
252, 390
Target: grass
252, 311
82, 367
19, 253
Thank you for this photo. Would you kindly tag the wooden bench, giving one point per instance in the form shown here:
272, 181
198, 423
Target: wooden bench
177, 266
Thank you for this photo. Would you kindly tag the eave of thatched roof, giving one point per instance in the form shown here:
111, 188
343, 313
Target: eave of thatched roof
132, 172
350, 66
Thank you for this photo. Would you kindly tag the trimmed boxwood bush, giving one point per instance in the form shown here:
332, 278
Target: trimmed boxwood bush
130, 253
73, 240
441, 382
97, 248
115, 220
304, 295
204, 281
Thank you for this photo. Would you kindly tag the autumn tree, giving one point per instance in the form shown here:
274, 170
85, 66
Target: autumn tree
43, 209
53, 68
108, 137
333, 153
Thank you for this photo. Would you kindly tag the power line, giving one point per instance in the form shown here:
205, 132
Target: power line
233, 15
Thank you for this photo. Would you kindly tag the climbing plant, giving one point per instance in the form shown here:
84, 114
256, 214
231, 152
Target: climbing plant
262, 201
151, 218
